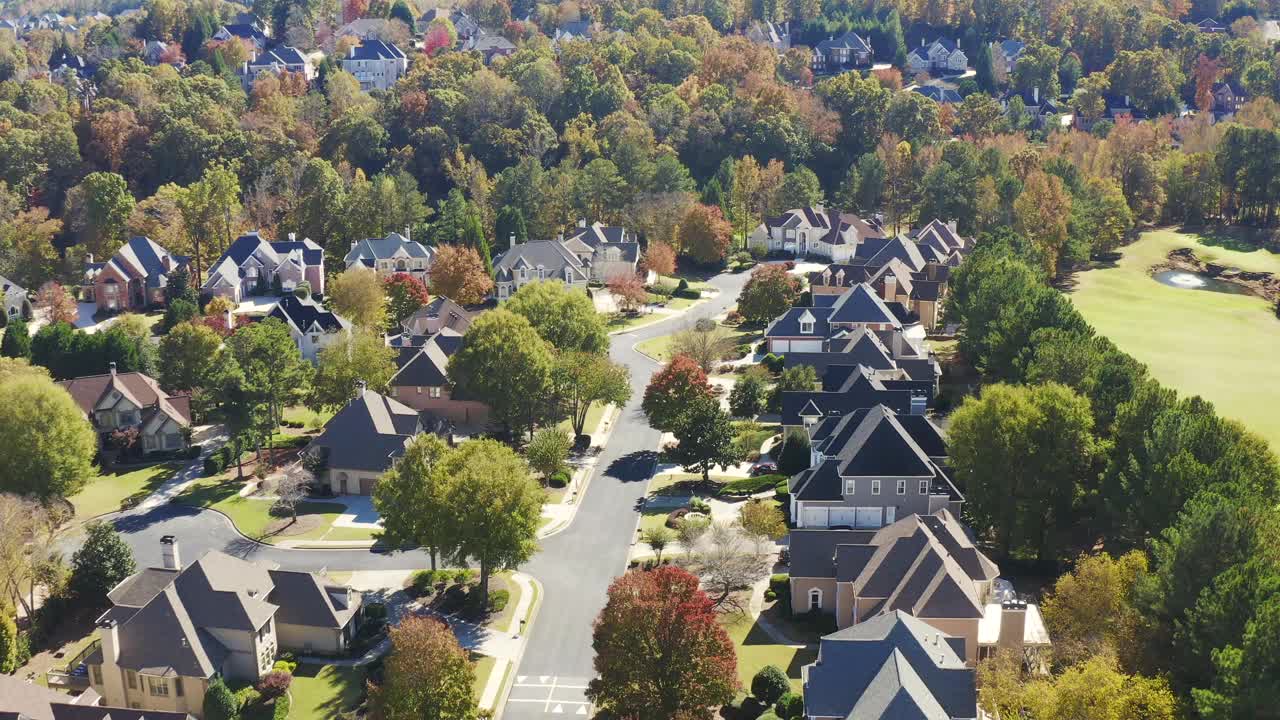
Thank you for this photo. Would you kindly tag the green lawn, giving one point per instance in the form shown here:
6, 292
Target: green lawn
756, 649
594, 413
619, 322
252, 517
105, 493
1220, 346
321, 692
684, 484
310, 419
655, 518
659, 348
483, 669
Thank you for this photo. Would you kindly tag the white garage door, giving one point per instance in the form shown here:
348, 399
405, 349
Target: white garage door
811, 346
867, 517
779, 346
843, 516
815, 517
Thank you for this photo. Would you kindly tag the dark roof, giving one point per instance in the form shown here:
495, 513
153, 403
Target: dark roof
891, 667
551, 255
1012, 48
439, 314
281, 54
246, 31
426, 363
64, 711
22, 699
368, 433
938, 94
862, 391
374, 49
307, 599
813, 552
860, 304
140, 389
306, 314
840, 275
848, 41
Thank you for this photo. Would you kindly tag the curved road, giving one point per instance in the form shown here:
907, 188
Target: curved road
574, 566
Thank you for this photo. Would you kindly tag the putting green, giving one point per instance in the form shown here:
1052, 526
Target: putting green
1223, 347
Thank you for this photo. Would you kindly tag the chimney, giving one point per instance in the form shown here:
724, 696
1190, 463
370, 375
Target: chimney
1013, 622
1035, 94
293, 237
361, 388
408, 233
513, 240
109, 634
169, 552
112, 367
582, 222
353, 244
897, 343
89, 258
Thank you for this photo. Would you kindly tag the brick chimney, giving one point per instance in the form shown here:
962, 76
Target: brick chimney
1013, 623
111, 366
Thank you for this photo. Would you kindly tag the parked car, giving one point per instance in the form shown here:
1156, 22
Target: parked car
764, 468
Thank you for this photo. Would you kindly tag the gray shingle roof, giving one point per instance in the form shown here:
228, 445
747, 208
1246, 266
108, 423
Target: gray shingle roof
312, 600
369, 250
368, 433
551, 255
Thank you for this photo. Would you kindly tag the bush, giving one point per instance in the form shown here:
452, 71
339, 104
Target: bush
770, 595
219, 703
422, 582
675, 517
193, 452
699, 505
768, 715
558, 479
682, 285
213, 464
773, 363
790, 706
757, 252
376, 611
462, 577
281, 709
276, 683
285, 666
498, 600
770, 684
247, 696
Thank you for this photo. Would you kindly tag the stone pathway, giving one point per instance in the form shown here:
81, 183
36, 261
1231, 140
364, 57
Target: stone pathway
210, 437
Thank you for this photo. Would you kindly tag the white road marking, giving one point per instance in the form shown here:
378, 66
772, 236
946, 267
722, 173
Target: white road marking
582, 710
558, 709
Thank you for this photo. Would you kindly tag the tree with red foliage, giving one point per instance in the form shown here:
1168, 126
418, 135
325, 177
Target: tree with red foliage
353, 10
405, 294
1205, 75
770, 292
672, 389
661, 652
705, 234
628, 291
57, 303
439, 36
660, 258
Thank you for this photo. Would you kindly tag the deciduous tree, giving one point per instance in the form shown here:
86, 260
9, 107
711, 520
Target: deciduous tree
275, 374
1090, 611
57, 304
188, 354
49, 458
101, 563
405, 295
98, 209
564, 317
412, 497
705, 234
362, 356
458, 273
627, 290
505, 364
548, 450
426, 675
357, 294
769, 292
660, 650
660, 258
582, 378
704, 438
672, 389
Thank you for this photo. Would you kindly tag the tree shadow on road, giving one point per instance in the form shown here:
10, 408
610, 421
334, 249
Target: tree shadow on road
634, 467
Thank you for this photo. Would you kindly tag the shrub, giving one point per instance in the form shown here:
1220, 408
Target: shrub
285, 666
376, 610
498, 600
422, 582
213, 464
462, 577
790, 706
699, 505
558, 479
247, 696
749, 486
682, 285
675, 516
276, 683
770, 684
757, 252
768, 715
193, 452
773, 363
219, 703
770, 595
281, 709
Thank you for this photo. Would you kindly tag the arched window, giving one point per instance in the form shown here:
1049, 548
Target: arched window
815, 599
401, 265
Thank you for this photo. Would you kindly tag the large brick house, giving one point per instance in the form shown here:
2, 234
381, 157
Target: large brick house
252, 265
133, 279
431, 336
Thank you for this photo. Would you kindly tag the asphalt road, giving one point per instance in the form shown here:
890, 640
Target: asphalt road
575, 566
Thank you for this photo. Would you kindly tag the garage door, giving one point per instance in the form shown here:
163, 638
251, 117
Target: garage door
815, 517
809, 346
846, 517
779, 346
867, 517
366, 485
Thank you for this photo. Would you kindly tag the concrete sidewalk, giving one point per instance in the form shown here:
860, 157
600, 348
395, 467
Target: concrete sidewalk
210, 437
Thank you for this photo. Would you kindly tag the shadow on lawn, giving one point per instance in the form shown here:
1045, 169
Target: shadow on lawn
1239, 239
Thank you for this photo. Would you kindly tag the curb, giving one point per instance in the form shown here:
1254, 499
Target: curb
500, 702
582, 491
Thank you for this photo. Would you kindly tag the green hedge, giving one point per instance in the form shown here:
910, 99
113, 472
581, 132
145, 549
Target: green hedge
281, 709
751, 486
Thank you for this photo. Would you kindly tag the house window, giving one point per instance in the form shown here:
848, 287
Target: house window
148, 442
418, 389
177, 687
315, 339
924, 487
849, 486
815, 599
158, 687
96, 671
806, 328
875, 487
131, 678
435, 392
902, 487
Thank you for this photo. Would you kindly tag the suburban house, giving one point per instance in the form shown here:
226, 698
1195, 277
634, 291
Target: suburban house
489, 45
22, 700
252, 264
428, 339
390, 255
891, 355
1116, 108
363, 28
925, 566
891, 666
117, 401
854, 387
133, 279
806, 329
154, 52
463, 24
815, 231
363, 439
942, 55
63, 61
277, 60
835, 54
526, 262
172, 629
1210, 25
376, 64
608, 250
1005, 55
1039, 108
1227, 99
439, 315
249, 32
870, 467
16, 303
774, 35
312, 326
939, 94
571, 30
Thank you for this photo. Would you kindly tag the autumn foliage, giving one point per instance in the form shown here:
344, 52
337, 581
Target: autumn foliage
427, 675
405, 294
58, 303
458, 273
628, 291
660, 258
660, 650
705, 234
672, 389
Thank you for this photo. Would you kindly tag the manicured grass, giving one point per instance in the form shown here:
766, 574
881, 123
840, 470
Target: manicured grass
619, 322
105, 493
309, 418
684, 484
350, 534
659, 348
484, 666
752, 435
594, 413
1220, 346
252, 517
756, 649
651, 519
321, 692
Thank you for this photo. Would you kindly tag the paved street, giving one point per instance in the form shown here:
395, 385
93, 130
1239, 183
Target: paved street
575, 566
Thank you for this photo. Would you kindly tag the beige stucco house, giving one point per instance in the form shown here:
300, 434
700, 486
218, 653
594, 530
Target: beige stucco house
363, 439
116, 401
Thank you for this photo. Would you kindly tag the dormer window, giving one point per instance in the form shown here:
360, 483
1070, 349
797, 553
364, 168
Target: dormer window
806, 327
